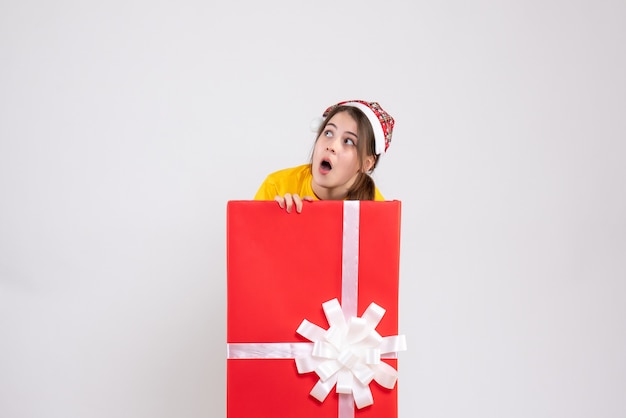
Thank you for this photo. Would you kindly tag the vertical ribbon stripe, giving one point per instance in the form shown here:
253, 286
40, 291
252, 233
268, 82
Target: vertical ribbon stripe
349, 281
350, 258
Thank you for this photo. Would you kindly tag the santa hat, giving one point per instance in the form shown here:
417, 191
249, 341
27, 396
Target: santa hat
381, 121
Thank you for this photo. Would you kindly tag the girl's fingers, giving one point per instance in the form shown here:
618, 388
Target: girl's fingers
288, 202
281, 201
298, 202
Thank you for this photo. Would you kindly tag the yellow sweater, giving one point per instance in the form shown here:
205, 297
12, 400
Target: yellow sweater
296, 180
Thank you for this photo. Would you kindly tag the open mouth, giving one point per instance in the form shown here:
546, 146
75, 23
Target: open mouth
325, 165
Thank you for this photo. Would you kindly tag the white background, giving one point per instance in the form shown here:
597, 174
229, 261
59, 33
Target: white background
126, 126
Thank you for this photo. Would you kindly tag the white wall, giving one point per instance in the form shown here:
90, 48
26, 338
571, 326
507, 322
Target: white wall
125, 126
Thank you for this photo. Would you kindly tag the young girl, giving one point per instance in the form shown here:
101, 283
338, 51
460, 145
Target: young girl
349, 143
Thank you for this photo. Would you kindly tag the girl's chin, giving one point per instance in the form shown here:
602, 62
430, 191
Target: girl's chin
322, 181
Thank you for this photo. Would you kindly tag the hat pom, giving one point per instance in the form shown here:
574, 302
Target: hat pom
316, 123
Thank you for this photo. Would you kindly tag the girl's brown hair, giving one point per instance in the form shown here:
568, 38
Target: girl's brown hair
363, 187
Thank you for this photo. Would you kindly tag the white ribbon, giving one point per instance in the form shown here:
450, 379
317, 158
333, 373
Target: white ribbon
267, 350
346, 355
350, 258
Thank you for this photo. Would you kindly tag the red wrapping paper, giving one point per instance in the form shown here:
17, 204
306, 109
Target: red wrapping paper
281, 268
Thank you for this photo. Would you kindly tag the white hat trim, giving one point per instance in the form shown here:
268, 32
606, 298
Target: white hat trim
379, 134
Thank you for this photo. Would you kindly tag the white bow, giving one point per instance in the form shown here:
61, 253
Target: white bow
348, 353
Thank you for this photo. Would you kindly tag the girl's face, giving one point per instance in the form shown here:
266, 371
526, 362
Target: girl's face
335, 162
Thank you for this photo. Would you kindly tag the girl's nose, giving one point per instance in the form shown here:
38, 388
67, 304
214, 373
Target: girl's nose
331, 146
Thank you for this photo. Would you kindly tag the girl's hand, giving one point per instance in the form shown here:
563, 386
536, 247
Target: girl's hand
287, 201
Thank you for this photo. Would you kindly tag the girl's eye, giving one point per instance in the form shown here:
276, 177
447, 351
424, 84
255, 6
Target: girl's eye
348, 141
328, 134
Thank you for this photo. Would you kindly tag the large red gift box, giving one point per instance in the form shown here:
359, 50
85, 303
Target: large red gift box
281, 268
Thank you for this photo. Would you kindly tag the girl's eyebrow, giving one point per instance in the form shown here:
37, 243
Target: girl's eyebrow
348, 132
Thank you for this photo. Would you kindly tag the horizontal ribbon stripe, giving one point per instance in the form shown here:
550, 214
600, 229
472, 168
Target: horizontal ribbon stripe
268, 350
277, 351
